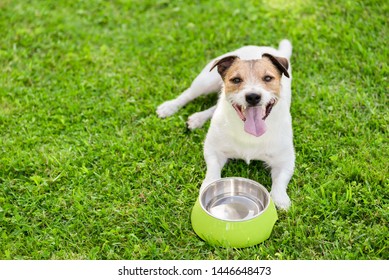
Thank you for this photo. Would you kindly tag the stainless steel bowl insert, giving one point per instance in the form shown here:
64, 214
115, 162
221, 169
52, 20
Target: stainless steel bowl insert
234, 199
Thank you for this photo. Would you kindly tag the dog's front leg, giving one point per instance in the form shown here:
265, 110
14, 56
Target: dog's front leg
215, 162
198, 119
206, 82
281, 174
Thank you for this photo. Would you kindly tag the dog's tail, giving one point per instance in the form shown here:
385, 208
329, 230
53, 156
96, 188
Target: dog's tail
285, 47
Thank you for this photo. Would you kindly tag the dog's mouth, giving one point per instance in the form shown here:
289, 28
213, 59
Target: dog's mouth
254, 117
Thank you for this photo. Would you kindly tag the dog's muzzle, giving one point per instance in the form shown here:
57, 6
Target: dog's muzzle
254, 116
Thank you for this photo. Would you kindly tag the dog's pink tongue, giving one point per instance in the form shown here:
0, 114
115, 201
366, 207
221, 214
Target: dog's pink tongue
254, 123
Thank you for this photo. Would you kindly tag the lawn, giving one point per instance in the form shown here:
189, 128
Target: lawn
88, 170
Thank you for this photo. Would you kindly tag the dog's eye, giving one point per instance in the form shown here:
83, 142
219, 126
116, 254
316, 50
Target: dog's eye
236, 80
268, 78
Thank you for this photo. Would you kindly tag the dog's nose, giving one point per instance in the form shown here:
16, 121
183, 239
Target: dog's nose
253, 98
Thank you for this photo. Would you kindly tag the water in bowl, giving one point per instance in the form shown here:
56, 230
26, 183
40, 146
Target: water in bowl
235, 207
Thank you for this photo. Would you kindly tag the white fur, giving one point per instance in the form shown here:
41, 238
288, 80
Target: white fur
226, 137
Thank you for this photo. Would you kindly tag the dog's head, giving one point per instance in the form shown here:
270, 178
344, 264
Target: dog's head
252, 87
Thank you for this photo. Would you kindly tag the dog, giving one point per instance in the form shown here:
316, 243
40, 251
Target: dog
252, 119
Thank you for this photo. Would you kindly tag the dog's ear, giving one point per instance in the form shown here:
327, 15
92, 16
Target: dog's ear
223, 64
280, 62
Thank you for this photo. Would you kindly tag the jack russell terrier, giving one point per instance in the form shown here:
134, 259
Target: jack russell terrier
251, 120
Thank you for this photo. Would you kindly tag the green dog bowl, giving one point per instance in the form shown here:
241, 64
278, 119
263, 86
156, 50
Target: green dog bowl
234, 212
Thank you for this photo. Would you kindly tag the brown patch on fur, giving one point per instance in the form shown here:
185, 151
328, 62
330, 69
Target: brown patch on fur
252, 72
280, 62
223, 64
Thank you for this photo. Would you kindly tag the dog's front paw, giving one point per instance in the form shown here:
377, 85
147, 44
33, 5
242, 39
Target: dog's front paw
167, 108
281, 200
207, 182
203, 185
196, 121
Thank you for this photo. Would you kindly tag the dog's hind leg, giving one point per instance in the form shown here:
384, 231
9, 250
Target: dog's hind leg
206, 82
198, 119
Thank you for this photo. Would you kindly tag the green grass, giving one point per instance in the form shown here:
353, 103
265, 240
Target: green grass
88, 171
